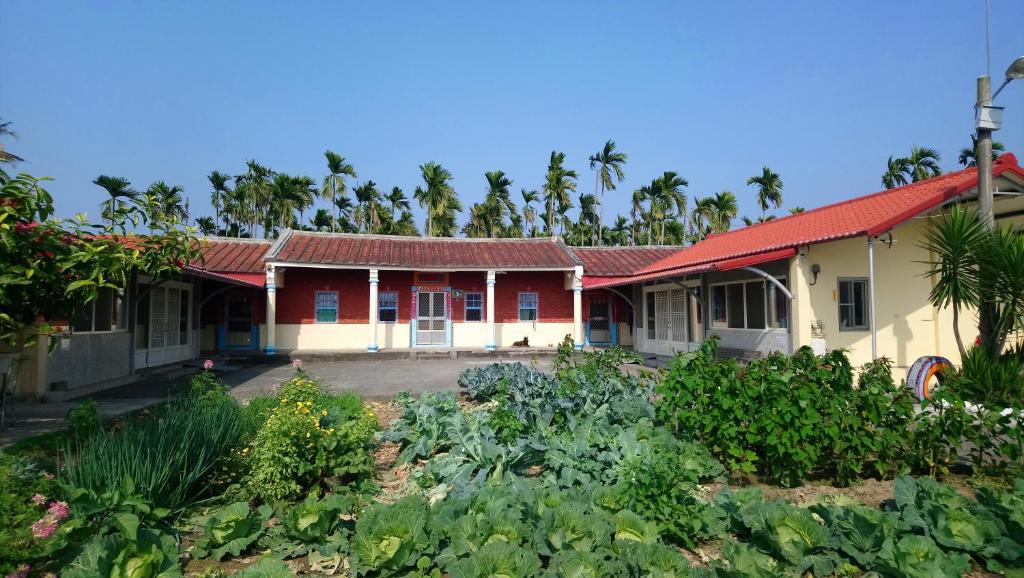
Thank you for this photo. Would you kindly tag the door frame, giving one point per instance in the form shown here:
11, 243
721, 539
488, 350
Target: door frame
670, 346
613, 338
222, 330
150, 356
414, 318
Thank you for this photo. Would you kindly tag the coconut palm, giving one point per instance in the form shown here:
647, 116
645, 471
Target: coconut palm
618, 233
305, 192
284, 201
438, 198
334, 183
344, 210
721, 209
118, 188
769, 189
219, 182
558, 183
967, 156
796, 210
255, 189
529, 213
478, 223
606, 163
398, 200
588, 218
405, 225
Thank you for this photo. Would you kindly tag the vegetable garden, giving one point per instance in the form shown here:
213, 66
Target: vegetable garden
590, 471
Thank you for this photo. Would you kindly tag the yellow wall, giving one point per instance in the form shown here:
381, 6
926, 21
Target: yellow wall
907, 325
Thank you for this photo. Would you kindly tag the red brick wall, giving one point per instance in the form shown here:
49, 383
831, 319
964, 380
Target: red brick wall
619, 307
295, 300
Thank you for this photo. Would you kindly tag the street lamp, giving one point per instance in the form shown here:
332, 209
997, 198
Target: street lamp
989, 118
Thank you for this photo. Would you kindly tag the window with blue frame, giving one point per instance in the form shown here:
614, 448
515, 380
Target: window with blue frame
387, 306
527, 306
326, 306
474, 306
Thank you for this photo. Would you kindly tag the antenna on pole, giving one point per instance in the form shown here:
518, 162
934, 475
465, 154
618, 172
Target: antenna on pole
988, 37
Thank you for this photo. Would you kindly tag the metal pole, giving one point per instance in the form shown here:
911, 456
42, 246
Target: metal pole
983, 157
871, 292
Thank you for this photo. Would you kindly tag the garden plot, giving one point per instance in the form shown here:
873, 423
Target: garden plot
525, 473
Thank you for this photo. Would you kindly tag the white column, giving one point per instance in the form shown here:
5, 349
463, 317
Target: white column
491, 341
270, 348
374, 277
577, 308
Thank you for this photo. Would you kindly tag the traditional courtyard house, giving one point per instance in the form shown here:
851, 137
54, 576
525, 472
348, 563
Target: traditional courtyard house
849, 275
370, 292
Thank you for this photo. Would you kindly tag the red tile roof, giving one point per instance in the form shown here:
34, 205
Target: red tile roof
234, 255
863, 216
617, 261
591, 282
384, 251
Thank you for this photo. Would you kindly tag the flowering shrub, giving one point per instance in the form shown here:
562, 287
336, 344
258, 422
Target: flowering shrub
310, 437
25, 491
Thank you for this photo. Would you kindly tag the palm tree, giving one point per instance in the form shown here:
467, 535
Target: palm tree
256, 191
667, 191
344, 210
529, 213
588, 220
796, 210
699, 220
479, 222
367, 202
334, 183
923, 163
769, 189
322, 220
558, 182
967, 157
438, 198
207, 225
167, 202
498, 201
405, 225
219, 182
895, 173
118, 188
722, 210
606, 162
284, 201
305, 193
635, 211
398, 200
618, 234
762, 219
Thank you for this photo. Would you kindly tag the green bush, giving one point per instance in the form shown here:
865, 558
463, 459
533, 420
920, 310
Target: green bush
993, 381
84, 419
310, 437
787, 417
169, 454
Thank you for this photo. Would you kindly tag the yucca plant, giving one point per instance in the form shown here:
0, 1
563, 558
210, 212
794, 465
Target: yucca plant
168, 455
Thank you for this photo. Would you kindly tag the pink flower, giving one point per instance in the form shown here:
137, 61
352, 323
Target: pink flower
39, 499
20, 571
59, 510
208, 364
44, 527
297, 364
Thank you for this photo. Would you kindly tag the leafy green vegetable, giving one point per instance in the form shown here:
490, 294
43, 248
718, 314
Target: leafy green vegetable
497, 560
231, 530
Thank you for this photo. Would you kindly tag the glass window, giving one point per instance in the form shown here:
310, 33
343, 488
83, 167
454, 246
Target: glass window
474, 306
527, 306
105, 313
387, 306
853, 304
326, 306
718, 316
755, 305
734, 305
650, 316
679, 298
142, 319
778, 306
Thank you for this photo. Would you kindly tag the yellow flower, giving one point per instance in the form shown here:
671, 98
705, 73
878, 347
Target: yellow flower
307, 434
324, 412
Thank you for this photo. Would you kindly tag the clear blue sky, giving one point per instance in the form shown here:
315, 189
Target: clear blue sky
823, 92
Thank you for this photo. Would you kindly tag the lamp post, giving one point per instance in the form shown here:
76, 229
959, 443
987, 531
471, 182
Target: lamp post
989, 118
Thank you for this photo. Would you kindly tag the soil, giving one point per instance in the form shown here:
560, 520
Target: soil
870, 492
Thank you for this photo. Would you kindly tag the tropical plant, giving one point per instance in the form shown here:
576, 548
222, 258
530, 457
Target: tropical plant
607, 166
967, 155
923, 163
118, 188
439, 199
231, 530
218, 196
206, 225
769, 190
333, 187
558, 183
367, 211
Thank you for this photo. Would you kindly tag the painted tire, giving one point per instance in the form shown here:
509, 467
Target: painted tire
920, 375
